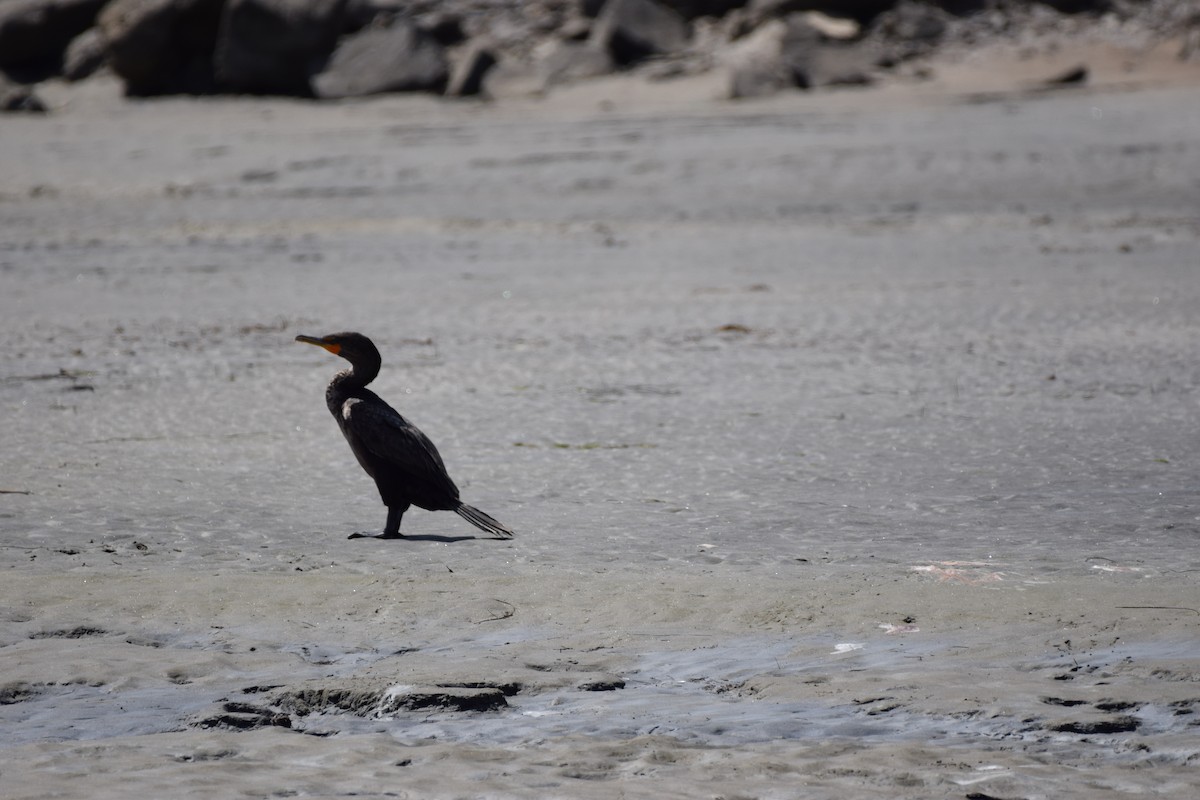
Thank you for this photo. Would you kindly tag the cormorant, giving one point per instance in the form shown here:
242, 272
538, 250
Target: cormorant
404, 463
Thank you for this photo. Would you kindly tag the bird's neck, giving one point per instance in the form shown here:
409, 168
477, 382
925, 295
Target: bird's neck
349, 381
358, 376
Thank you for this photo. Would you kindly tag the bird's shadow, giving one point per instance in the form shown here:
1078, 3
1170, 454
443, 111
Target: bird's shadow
433, 537
419, 537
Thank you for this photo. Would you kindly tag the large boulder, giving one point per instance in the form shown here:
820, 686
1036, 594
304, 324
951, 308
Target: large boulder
815, 60
33, 32
86, 54
912, 22
861, 10
161, 46
358, 14
16, 97
791, 52
472, 65
754, 63
631, 30
390, 56
276, 46
1079, 6
689, 9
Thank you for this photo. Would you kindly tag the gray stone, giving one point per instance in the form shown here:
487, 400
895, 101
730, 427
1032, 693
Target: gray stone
569, 61
393, 57
466, 79
576, 29
510, 79
914, 22
755, 80
15, 97
762, 10
85, 55
755, 65
631, 30
689, 9
792, 53
815, 61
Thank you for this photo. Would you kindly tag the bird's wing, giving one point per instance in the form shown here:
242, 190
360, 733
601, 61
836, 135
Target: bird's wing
381, 430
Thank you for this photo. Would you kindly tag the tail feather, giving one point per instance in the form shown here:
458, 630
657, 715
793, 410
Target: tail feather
483, 521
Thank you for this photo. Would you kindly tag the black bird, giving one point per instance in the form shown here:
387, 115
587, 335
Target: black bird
404, 463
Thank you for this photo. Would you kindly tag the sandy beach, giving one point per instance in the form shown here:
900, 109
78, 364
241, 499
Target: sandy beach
850, 441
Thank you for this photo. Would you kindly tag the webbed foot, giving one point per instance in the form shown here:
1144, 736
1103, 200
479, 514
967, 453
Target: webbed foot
384, 535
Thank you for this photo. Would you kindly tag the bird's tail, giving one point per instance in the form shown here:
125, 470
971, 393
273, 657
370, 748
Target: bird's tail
483, 521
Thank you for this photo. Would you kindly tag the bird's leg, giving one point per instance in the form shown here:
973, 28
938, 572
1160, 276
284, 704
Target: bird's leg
391, 531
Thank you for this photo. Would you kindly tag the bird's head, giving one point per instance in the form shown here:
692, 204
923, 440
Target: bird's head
354, 347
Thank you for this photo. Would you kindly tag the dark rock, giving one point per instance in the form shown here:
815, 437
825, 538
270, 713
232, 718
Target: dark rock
19, 691
688, 9
40, 30
393, 57
78, 632
161, 46
1116, 705
445, 27
691, 9
358, 14
276, 46
85, 55
244, 717
910, 30
486, 699
227, 721
860, 10
1079, 6
1071, 77
631, 30
913, 22
753, 80
962, 8
315, 700
373, 700
815, 61
792, 53
466, 79
705, 8
508, 688
603, 685
259, 689
1118, 724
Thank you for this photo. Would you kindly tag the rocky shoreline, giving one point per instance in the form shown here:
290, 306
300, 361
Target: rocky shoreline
498, 49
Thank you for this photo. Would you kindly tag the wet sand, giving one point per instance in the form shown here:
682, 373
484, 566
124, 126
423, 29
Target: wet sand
849, 440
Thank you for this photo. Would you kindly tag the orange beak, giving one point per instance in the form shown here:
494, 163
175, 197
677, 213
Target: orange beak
330, 346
